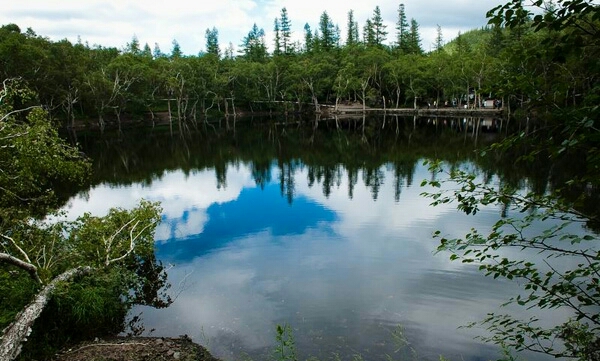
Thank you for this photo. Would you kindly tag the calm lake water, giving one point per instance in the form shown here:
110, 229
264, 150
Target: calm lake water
323, 228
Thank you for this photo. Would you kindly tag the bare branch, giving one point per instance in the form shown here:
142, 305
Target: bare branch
21, 264
18, 111
109, 242
16, 246
132, 240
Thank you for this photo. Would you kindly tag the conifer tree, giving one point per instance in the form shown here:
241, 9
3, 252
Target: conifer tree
328, 38
369, 33
156, 52
253, 45
212, 41
286, 32
277, 40
352, 35
176, 50
308, 38
439, 40
229, 51
414, 39
378, 27
402, 30
134, 46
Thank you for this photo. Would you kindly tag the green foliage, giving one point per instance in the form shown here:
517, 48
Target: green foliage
352, 30
119, 246
212, 42
536, 63
286, 346
562, 212
402, 30
35, 163
36, 166
286, 32
16, 289
328, 38
253, 46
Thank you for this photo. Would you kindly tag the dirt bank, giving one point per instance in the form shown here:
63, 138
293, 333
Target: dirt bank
137, 349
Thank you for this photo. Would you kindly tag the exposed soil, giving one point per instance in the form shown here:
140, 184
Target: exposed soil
137, 349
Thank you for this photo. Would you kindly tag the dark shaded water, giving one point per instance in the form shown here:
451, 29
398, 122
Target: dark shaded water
322, 228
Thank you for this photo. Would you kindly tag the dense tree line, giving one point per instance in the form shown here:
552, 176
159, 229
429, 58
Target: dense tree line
373, 67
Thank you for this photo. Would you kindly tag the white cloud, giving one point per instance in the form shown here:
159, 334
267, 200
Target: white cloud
113, 23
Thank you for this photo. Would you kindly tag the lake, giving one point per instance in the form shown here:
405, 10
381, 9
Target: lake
319, 225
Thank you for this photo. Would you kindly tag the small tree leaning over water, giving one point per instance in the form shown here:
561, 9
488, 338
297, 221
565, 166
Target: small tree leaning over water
84, 275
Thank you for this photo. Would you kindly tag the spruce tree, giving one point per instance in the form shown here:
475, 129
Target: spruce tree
352, 35
286, 32
402, 30
308, 38
329, 38
156, 52
378, 27
253, 45
276, 29
439, 40
212, 41
176, 50
414, 39
369, 33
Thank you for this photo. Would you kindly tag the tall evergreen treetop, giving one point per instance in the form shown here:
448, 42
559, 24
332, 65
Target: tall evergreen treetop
286, 32
308, 38
352, 34
156, 52
134, 46
253, 45
414, 39
402, 30
378, 27
277, 40
147, 52
212, 41
439, 40
369, 33
176, 50
329, 38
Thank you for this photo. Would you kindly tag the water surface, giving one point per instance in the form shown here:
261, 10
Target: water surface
343, 253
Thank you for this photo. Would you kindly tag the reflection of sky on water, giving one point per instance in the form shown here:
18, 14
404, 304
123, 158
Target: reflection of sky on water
343, 272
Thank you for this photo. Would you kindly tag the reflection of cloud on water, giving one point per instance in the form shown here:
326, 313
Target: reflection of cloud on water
331, 266
184, 199
253, 212
377, 265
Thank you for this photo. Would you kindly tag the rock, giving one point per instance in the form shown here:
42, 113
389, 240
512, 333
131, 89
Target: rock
177, 355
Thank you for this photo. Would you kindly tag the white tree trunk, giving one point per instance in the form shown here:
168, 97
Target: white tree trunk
16, 333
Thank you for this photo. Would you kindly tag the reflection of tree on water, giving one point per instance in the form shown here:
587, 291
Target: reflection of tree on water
402, 171
327, 148
261, 173
286, 179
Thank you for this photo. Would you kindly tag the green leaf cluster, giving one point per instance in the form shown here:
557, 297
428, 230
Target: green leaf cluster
37, 168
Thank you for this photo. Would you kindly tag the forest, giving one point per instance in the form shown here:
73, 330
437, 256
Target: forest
96, 85
541, 62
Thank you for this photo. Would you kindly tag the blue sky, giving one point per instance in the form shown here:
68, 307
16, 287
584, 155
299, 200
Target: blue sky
114, 22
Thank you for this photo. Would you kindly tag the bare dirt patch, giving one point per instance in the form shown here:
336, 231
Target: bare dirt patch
137, 349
